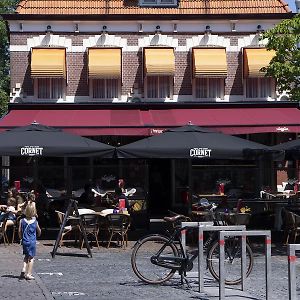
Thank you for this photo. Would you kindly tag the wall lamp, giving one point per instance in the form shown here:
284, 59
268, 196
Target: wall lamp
207, 30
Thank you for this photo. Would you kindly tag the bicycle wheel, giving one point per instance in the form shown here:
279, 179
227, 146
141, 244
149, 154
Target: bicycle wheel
233, 251
141, 259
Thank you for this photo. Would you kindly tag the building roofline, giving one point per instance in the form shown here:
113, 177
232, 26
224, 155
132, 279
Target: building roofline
129, 17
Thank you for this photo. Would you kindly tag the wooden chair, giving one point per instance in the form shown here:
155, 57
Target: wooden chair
10, 226
3, 233
71, 228
91, 226
15, 228
118, 225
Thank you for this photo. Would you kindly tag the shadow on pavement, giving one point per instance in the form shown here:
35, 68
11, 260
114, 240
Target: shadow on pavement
11, 276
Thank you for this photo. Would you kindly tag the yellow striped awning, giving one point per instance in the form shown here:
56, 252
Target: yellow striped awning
209, 62
105, 63
48, 63
159, 61
255, 59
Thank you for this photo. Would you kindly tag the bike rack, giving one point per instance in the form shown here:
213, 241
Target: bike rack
244, 234
292, 248
203, 228
191, 225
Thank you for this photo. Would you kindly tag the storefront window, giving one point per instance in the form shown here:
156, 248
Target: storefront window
240, 179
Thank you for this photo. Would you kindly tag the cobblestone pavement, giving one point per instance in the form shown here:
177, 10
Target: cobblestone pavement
11, 262
108, 275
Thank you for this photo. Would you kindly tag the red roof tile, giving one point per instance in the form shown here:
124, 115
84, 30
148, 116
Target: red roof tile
185, 7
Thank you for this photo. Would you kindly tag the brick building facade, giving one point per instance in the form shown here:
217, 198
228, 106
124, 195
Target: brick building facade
171, 62
132, 65
191, 75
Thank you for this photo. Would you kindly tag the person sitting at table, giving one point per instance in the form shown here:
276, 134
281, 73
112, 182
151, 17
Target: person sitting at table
9, 210
21, 204
121, 184
120, 195
87, 197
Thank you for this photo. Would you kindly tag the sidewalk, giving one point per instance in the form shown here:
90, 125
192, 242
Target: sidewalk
11, 262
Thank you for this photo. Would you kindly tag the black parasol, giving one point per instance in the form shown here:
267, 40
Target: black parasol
191, 141
40, 140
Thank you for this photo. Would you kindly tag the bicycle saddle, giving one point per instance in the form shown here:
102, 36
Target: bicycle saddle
175, 218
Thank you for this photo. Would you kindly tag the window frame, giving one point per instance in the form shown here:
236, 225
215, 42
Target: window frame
222, 88
171, 84
91, 89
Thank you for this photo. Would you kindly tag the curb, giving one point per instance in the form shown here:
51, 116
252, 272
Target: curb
41, 285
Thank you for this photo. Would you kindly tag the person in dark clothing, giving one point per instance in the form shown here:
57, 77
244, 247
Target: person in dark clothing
120, 195
87, 197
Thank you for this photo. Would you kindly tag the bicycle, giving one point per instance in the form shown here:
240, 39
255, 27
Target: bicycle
156, 258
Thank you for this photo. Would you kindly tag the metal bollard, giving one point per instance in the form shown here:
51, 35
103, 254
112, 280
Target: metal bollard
222, 271
190, 225
291, 251
202, 228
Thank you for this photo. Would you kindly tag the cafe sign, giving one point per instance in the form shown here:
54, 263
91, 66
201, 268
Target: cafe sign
200, 152
31, 150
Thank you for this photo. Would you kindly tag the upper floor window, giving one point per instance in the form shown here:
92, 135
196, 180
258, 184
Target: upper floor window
209, 88
159, 64
256, 85
159, 87
107, 88
260, 87
209, 73
49, 71
105, 69
50, 88
158, 3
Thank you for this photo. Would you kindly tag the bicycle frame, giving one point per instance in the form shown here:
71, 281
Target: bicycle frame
178, 263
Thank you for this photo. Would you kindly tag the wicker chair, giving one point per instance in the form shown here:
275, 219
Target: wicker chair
3, 228
118, 225
91, 226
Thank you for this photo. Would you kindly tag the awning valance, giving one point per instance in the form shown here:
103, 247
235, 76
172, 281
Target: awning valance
159, 61
48, 63
91, 122
105, 63
209, 63
255, 59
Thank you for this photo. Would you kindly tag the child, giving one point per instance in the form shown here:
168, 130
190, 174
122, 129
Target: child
28, 230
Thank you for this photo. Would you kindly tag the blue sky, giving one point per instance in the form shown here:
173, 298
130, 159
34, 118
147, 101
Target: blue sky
291, 4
